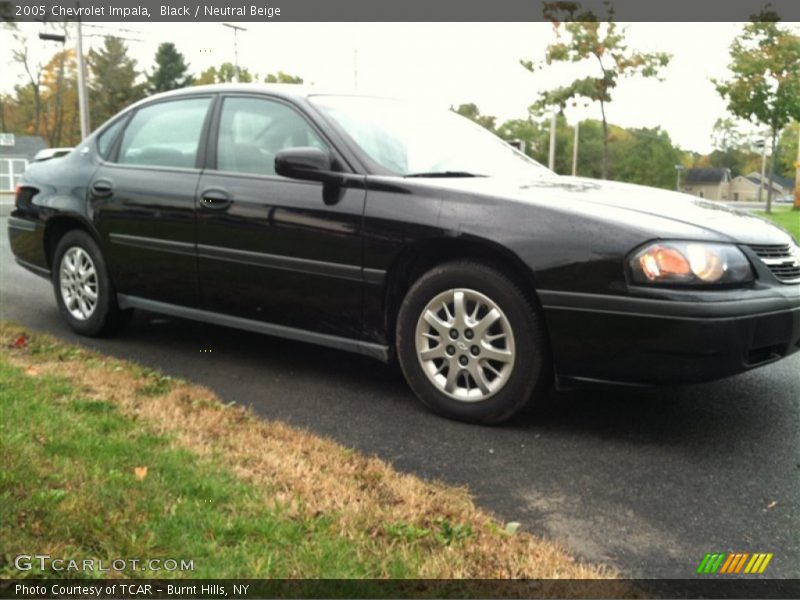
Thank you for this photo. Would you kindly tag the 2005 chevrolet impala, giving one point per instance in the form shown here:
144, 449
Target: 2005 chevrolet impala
375, 226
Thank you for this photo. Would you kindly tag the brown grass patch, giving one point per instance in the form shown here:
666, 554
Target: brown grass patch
307, 473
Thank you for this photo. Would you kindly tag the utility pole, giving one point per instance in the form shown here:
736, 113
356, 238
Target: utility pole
797, 174
763, 144
83, 100
552, 162
236, 30
575, 150
678, 169
355, 68
579, 107
83, 107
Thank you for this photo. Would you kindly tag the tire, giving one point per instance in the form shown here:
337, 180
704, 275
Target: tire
79, 270
500, 355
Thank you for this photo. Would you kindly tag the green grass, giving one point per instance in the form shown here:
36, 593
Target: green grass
237, 496
68, 488
785, 217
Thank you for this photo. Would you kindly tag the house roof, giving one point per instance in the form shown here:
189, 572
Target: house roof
707, 175
25, 146
784, 182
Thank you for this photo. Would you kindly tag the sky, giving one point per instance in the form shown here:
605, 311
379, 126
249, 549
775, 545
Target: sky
445, 64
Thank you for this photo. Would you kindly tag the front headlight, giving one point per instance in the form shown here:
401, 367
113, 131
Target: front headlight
690, 263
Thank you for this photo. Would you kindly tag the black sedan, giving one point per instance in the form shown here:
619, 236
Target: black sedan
381, 227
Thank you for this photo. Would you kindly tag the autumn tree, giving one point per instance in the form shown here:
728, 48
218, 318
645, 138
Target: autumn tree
60, 120
581, 37
33, 88
765, 83
787, 151
112, 81
171, 70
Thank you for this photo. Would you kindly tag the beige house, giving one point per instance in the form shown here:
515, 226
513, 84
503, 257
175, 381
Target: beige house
716, 184
711, 183
744, 188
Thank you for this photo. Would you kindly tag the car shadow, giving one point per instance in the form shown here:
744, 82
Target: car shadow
697, 414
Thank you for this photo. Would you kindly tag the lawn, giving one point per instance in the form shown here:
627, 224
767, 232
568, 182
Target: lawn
104, 459
785, 217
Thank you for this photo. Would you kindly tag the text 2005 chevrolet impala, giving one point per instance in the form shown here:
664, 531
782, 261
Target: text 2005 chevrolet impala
375, 226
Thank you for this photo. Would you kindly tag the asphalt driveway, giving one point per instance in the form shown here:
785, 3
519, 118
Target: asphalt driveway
647, 481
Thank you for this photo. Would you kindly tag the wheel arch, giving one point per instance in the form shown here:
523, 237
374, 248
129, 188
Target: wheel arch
420, 257
57, 226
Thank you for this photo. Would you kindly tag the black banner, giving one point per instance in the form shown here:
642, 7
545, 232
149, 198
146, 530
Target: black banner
251, 589
402, 10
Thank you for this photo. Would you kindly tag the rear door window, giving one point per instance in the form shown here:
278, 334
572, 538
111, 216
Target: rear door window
166, 134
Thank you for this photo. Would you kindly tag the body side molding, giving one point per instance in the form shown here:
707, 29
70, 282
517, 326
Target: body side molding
378, 351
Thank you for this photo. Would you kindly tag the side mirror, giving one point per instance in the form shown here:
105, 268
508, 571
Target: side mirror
306, 163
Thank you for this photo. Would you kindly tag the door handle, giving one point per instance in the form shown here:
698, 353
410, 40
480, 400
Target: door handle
102, 188
215, 199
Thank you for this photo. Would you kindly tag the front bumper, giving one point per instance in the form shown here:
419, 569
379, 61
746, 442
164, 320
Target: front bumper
599, 339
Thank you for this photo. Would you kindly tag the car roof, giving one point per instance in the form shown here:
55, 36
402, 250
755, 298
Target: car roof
285, 90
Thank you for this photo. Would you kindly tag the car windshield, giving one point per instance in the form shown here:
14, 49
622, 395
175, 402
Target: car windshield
415, 141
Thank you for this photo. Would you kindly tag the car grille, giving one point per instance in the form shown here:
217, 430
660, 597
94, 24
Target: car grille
783, 263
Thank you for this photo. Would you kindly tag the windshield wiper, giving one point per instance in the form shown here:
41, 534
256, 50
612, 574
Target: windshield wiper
445, 174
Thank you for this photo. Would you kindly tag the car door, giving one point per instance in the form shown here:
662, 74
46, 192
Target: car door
144, 200
273, 249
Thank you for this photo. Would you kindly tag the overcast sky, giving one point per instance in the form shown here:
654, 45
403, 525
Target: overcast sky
448, 63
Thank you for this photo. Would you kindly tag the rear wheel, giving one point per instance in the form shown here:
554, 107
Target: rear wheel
471, 344
83, 289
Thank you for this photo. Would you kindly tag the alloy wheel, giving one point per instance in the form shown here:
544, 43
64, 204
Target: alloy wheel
78, 283
465, 345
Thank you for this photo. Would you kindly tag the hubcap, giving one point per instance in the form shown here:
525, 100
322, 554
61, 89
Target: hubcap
465, 345
78, 283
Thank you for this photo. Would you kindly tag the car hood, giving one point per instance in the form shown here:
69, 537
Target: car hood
612, 199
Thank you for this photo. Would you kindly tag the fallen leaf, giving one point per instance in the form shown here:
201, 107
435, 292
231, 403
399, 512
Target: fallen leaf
21, 341
33, 371
140, 472
511, 527
772, 504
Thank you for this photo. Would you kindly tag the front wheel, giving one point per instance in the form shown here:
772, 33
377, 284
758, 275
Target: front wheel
471, 344
83, 289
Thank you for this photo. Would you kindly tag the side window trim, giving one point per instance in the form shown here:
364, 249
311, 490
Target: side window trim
213, 137
201, 146
113, 148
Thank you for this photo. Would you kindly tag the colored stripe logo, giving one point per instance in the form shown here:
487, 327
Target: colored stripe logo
734, 563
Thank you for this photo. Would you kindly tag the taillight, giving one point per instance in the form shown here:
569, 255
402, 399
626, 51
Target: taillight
23, 195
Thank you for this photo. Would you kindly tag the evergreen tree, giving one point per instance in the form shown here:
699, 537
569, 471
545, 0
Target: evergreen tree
171, 70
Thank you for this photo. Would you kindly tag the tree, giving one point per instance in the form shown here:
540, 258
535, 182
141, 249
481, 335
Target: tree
281, 77
472, 112
787, 150
646, 156
765, 87
527, 131
171, 70
225, 73
34, 85
112, 78
60, 119
589, 40
731, 148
